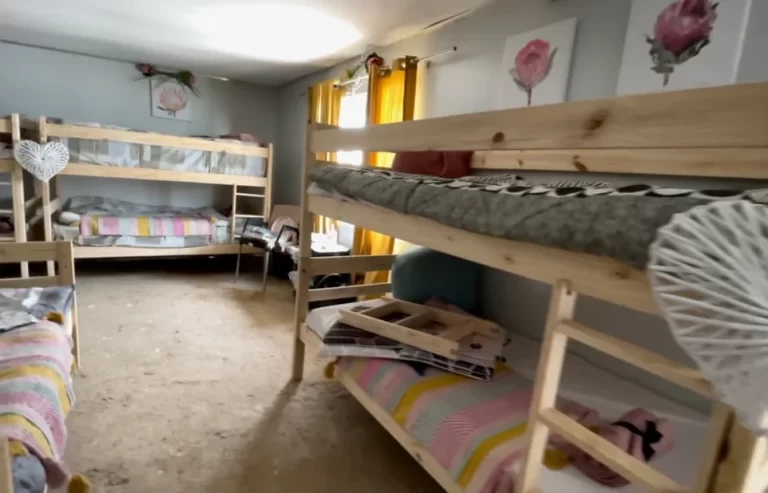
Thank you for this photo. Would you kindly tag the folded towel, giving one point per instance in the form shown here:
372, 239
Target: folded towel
640, 433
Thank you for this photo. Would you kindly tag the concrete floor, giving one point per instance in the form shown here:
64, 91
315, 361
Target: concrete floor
184, 388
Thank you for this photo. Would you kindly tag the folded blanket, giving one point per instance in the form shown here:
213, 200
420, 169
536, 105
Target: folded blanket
36, 393
98, 225
640, 433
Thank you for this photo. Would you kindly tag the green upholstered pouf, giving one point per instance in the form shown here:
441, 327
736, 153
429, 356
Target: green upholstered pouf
421, 274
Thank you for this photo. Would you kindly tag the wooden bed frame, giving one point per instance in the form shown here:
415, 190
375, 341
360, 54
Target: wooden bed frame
48, 199
59, 252
717, 132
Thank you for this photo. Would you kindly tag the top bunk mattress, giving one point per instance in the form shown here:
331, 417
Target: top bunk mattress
619, 223
131, 155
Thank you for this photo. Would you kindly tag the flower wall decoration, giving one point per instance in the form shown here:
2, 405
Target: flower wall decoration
532, 65
173, 100
681, 31
183, 77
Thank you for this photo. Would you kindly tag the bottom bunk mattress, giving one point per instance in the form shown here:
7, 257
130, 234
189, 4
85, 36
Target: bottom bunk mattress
98, 221
476, 429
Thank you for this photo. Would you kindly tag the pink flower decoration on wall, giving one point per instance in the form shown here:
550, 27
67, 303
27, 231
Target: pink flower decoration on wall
682, 30
532, 65
173, 100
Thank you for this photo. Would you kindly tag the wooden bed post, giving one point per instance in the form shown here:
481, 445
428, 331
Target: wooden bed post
45, 192
66, 260
17, 192
743, 467
270, 183
305, 258
551, 360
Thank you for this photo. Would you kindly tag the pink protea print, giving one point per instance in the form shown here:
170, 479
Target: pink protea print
532, 65
682, 30
173, 100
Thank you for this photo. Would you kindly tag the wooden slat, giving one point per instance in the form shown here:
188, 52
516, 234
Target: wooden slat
416, 320
80, 169
355, 263
647, 360
383, 309
562, 304
349, 291
601, 277
251, 216
633, 469
6, 474
720, 162
32, 251
149, 138
422, 455
29, 282
124, 252
729, 116
406, 335
254, 195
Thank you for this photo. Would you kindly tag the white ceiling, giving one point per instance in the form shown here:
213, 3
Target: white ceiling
229, 38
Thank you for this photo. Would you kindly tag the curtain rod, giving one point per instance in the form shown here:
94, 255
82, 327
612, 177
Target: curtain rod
450, 50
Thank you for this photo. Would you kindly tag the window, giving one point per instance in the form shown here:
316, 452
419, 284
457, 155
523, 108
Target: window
352, 115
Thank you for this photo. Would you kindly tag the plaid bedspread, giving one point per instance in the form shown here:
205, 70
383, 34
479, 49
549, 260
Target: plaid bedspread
36, 392
145, 226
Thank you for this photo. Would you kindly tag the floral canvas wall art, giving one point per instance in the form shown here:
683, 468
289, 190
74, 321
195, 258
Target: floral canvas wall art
536, 66
682, 44
170, 99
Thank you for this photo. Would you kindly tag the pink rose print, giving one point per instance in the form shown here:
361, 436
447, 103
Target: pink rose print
682, 30
173, 100
532, 65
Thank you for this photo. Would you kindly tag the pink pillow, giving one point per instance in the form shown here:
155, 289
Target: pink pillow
445, 164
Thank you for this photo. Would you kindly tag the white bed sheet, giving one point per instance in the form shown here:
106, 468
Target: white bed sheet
607, 393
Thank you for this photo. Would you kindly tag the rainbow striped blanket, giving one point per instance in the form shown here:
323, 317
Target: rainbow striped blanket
36, 392
98, 225
475, 429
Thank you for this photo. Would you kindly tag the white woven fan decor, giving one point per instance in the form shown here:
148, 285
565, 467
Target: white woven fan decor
709, 271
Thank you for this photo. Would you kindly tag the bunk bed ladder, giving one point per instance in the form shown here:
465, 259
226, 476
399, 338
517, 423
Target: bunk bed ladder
17, 193
545, 418
233, 233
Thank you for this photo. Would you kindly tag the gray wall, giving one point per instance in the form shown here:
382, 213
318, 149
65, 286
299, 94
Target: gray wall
37, 82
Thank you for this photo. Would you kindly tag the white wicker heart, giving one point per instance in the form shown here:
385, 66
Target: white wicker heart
709, 271
44, 162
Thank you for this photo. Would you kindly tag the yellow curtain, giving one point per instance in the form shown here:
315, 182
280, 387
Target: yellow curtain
324, 107
391, 99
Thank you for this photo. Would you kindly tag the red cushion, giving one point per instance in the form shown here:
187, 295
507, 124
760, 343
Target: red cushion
448, 164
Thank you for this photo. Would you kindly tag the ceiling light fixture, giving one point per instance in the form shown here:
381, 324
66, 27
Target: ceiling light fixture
279, 33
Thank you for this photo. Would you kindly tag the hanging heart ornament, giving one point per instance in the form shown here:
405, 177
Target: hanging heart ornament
43, 162
709, 272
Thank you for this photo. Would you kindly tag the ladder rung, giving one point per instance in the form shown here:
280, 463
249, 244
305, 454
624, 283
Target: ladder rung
609, 454
647, 360
257, 195
251, 216
7, 238
6, 211
5, 183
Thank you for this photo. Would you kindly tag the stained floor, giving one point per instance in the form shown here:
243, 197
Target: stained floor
184, 388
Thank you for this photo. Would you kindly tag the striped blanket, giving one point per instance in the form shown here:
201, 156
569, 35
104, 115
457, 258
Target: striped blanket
144, 226
36, 392
474, 429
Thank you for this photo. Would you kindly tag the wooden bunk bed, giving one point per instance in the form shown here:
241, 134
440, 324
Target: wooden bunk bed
718, 132
243, 186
